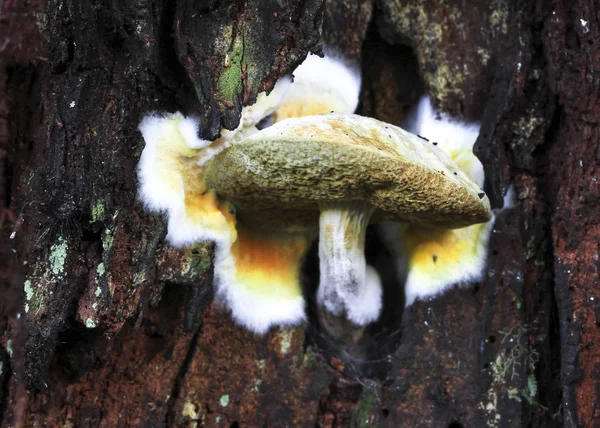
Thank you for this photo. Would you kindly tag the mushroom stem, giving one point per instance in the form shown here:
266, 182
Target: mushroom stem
344, 286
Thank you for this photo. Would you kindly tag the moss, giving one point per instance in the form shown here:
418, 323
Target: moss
363, 413
97, 212
108, 239
230, 81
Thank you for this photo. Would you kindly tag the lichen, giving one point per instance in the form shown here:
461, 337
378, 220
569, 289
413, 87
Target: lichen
499, 16
9, 348
285, 341
138, 278
28, 290
505, 372
90, 323
484, 54
196, 261
58, 256
100, 270
98, 292
191, 411
224, 400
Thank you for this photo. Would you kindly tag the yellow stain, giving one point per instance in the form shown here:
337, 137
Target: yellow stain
269, 265
442, 250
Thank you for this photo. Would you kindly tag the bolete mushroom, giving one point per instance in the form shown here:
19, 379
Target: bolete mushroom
335, 174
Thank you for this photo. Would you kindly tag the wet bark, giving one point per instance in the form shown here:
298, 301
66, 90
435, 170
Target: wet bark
102, 324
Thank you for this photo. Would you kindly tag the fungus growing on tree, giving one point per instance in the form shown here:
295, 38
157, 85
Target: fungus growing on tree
264, 196
333, 175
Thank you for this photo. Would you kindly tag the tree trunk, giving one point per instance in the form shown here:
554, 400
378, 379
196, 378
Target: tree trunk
103, 324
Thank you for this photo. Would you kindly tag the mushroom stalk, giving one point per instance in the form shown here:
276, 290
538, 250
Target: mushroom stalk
345, 287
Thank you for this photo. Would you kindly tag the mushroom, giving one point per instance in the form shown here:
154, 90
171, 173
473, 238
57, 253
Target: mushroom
335, 174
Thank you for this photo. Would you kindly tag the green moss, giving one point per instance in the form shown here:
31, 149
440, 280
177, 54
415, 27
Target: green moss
97, 212
108, 239
230, 81
363, 413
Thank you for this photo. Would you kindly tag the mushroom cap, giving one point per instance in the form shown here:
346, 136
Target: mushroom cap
280, 178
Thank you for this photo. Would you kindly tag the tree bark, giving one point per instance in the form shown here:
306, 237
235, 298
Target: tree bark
103, 324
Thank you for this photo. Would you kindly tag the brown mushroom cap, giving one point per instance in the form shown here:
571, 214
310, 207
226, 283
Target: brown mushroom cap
279, 178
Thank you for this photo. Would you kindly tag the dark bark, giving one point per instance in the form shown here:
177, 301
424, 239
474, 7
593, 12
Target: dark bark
105, 325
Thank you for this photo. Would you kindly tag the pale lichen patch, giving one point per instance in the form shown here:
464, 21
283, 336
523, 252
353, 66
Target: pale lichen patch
285, 341
28, 290
224, 400
58, 256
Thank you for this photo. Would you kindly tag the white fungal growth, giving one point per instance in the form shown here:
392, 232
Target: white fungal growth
171, 180
321, 85
346, 286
